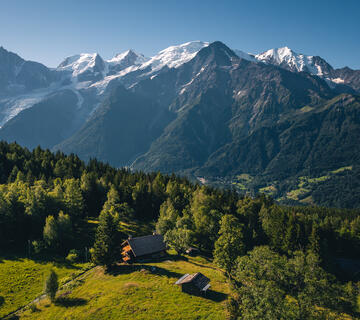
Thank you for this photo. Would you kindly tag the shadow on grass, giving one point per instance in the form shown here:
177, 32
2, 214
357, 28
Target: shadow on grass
215, 296
210, 295
2, 300
68, 302
177, 257
203, 265
56, 260
126, 269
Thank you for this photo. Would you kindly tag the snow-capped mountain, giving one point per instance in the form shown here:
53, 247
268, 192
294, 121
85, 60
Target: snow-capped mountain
124, 60
130, 67
289, 59
25, 83
174, 56
91, 67
84, 67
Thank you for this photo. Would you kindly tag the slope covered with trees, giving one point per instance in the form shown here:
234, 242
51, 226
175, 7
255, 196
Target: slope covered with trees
299, 251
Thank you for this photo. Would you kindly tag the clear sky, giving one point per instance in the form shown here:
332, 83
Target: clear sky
49, 30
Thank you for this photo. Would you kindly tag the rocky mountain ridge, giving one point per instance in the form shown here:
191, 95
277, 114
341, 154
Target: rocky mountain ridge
197, 109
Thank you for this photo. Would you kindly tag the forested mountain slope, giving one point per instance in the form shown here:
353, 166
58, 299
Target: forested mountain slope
200, 110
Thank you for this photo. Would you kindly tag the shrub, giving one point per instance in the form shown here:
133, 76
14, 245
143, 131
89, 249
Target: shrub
51, 285
33, 307
38, 246
73, 256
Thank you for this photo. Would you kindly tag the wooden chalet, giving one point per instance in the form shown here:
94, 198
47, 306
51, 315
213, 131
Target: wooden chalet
195, 283
143, 247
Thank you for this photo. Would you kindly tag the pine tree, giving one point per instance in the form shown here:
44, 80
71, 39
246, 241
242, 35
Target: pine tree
314, 239
290, 242
104, 251
51, 285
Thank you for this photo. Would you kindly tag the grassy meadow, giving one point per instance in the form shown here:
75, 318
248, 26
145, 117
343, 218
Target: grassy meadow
139, 291
22, 280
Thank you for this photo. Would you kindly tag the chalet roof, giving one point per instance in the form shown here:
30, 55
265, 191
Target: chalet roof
141, 246
198, 279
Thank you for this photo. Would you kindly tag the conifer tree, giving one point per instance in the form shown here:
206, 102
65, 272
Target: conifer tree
51, 285
104, 251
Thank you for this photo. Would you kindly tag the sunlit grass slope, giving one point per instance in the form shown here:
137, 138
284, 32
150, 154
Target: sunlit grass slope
140, 291
22, 279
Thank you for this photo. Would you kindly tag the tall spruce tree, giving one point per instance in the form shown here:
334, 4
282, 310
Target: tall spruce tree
104, 251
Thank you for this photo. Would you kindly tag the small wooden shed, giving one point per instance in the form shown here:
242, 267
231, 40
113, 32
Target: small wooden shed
195, 283
143, 247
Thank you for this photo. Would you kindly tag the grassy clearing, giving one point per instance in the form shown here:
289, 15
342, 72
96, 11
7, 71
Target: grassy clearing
306, 185
319, 179
306, 109
245, 177
239, 185
131, 227
242, 181
22, 280
135, 228
342, 169
269, 190
297, 193
140, 291
308, 200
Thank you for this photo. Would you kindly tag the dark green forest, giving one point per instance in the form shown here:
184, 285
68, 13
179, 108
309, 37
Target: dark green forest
282, 262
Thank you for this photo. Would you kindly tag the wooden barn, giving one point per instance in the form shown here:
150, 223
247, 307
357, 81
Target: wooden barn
143, 247
195, 283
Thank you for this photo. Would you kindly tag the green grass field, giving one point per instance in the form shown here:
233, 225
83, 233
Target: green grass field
22, 279
139, 291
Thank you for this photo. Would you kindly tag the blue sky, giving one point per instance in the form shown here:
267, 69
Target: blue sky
49, 30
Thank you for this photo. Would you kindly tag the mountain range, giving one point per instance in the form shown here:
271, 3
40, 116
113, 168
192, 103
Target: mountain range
278, 122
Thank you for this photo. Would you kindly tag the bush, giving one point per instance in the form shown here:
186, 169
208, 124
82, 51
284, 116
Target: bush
33, 307
73, 256
38, 246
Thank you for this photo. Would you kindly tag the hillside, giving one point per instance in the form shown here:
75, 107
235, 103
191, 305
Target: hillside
22, 279
140, 291
64, 213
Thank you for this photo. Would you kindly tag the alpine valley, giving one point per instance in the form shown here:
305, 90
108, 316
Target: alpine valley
278, 122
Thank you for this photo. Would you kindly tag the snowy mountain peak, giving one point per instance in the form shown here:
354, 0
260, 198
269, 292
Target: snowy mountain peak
81, 63
277, 56
289, 59
128, 55
175, 56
